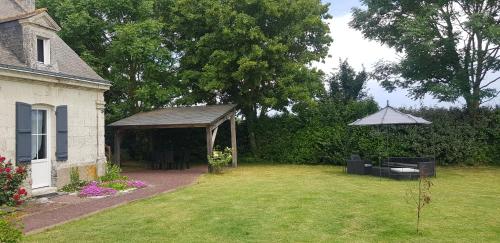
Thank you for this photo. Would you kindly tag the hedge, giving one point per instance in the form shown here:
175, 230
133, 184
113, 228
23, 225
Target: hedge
320, 135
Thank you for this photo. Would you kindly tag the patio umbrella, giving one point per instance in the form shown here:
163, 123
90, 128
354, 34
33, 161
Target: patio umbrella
389, 116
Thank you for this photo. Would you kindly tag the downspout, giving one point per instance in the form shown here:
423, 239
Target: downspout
97, 128
99, 110
97, 134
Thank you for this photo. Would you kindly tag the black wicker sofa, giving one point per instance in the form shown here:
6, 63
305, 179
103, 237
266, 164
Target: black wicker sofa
402, 168
359, 167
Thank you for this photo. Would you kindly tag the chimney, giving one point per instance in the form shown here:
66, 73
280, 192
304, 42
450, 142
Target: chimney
27, 5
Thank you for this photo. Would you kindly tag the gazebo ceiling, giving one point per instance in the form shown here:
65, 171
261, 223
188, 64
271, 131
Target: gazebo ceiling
173, 117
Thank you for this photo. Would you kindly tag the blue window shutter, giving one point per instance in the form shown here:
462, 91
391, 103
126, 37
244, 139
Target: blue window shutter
62, 133
23, 132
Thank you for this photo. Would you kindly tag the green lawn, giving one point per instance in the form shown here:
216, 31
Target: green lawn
286, 203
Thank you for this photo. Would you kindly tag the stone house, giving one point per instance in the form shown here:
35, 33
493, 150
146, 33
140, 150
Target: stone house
52, 102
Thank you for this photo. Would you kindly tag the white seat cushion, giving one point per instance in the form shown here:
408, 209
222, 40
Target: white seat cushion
405, 170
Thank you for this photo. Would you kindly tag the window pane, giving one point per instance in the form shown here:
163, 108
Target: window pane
34, 115
39, 137
39, 46
34, 147
42, 146
42, 122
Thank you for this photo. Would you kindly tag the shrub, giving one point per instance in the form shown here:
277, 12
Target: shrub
94, 190
320, 135
113, 173
9, 231
75, 183
116, 185
11, 179
124, 185
219, 159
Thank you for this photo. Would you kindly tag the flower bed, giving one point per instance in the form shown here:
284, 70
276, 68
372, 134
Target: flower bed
109, 184
104, 189
94, 190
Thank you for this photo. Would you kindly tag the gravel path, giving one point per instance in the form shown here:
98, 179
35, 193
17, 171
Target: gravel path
66, 208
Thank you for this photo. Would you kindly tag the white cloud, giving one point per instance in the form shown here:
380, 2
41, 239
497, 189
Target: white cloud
349, 44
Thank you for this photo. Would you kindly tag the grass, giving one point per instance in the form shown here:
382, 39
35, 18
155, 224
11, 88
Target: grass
288, 203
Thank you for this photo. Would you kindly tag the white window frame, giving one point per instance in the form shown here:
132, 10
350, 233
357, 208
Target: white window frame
46, 50
47, 133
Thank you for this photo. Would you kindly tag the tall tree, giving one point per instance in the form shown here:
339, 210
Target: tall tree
450, 48
347, 84
254, 53
124, 41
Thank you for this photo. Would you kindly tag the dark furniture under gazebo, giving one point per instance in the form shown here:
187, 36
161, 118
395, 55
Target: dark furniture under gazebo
406, 168
400, 167
208, 117
358, 166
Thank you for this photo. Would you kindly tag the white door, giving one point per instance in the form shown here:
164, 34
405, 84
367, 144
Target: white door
41, 171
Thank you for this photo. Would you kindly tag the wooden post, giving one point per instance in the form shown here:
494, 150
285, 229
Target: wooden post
118, 141
209, 145
234, 146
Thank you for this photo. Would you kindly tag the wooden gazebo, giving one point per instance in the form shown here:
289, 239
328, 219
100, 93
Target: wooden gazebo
209, 117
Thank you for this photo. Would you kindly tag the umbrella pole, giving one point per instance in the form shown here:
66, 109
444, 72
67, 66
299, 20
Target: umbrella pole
433, 142
387, 146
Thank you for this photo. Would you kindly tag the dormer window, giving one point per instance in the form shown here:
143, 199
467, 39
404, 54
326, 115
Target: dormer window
43, 50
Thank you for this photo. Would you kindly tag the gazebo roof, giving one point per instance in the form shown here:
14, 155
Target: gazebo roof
389, 116
178, 117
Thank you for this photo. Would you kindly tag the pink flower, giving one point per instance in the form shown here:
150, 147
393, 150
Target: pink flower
94, 190
137, 184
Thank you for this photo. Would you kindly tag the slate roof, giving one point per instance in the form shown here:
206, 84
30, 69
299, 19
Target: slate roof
389, 116
194, 116
22, 15
10, 8
8, 58
68, 63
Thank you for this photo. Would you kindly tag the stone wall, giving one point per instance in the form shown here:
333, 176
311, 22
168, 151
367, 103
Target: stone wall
85, 123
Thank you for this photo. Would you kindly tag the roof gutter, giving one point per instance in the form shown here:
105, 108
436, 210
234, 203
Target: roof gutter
55, 75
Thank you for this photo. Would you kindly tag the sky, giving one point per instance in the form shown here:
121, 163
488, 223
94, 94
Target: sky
349, 44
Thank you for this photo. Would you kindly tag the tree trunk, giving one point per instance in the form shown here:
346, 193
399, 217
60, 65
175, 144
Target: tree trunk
473, 103
250, 114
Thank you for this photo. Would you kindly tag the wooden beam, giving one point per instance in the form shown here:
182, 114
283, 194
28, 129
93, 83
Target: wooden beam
222, 119
209, 145
234, 145
214, 135
117, 147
